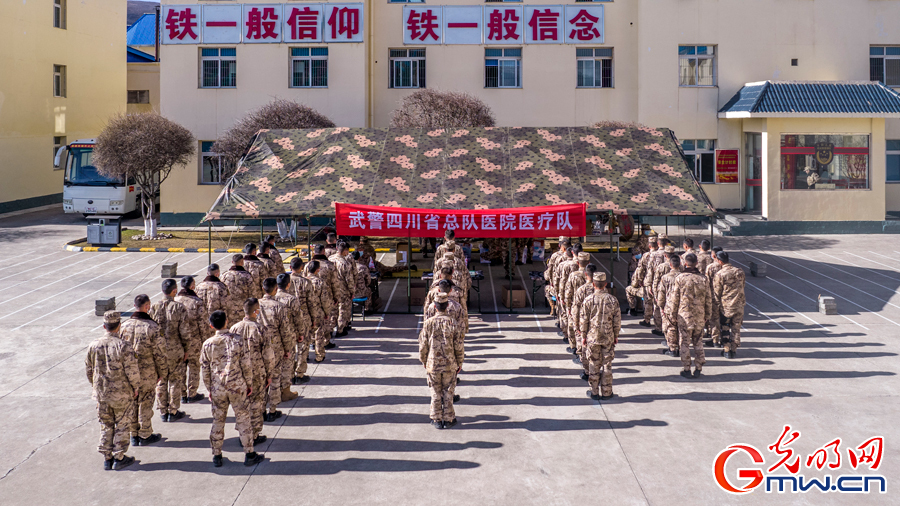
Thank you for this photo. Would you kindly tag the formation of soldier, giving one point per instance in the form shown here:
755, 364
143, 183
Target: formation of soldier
683, 295
246, 333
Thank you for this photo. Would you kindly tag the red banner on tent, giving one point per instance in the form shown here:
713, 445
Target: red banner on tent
545, 221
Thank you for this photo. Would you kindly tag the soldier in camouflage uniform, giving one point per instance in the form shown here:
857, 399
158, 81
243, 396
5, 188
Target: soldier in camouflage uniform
449, 245
601, 321
271, 269
688, 247
661, 292
196, 320
688, 305
256, 346
583, 292
461, 277
661, 270
345, 276
575, 280
276, 320
331, 241
457, 309
713, 326
257, 269
522, 245
548, 272
441, 352
214, 294
275, 255
228, 376
363, 279
728, 287
562, 277
240, 286
285, 296
653, 261
327, 274
320, 304
143, 334
302, 288
498, 251
175, 327
115, 379
704, 256
637, 290
369, 257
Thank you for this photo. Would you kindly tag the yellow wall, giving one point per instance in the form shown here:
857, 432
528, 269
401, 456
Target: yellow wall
144, 76
93, 49
823, 205
755, 41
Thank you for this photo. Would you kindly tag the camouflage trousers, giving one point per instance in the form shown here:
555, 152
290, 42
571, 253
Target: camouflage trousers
714, 325
657, 317
633, 294
737, 320
384, 269
190, 371
581, 349
115, 425
256, 403
671, 333
301, 357
168, 391
142, 414
564, 320
443, 384
691, 338
275, 387
322, 336
572, 332
239, 402
331, 323
600, 369
649, 306
345, 306
287, 370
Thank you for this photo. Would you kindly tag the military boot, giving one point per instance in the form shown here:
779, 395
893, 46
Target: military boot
252, 458
123, 463
288, 395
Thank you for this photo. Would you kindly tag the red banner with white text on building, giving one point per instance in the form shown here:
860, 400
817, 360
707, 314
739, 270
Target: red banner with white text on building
544, 221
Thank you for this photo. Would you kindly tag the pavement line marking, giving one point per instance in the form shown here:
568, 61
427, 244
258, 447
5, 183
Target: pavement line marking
851, 274
764, 314
494, 296
25, 262
386, 305
45, 299
872, 261
527, 294
53, 283
607, 270
40, 276
829, 291
784, 304
885, 256
86, 296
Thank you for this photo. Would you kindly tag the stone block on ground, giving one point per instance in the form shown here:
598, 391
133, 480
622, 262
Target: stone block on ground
757, 270
170, 270
827, 305
101, 306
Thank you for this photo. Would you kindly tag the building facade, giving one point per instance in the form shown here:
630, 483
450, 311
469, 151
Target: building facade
62, 76
143, 65
663, 63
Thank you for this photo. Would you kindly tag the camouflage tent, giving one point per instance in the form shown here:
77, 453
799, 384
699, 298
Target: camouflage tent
638, 171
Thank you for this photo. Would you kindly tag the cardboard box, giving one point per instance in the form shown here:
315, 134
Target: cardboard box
402, 252
417, 292
518, 296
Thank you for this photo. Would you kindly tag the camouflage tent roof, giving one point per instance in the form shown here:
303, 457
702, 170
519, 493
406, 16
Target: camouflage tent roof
286, 173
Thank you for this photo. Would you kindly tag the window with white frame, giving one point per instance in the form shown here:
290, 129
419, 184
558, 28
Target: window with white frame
309, 67
212, 164
59, 14
884, 65
893, 161
701, 158
59, 80
138, 96
696, 65
595, 67
58, 142
218, 67
407, 68
503, 68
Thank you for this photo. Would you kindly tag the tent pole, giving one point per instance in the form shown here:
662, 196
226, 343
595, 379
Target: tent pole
260, 233
667, 225
309, 237
511, 266
408, 270
209, 241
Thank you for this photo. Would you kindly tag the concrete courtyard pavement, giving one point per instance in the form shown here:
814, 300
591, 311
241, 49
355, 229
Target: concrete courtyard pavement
528, 434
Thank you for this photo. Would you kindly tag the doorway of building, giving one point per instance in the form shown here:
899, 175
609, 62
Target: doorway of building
753, 172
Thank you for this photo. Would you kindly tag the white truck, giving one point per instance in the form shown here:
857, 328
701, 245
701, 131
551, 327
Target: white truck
88, 192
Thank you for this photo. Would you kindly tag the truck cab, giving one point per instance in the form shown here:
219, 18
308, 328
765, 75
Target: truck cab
88, 192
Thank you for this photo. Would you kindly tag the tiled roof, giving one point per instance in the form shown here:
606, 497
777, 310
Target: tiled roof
141, 33
814, 97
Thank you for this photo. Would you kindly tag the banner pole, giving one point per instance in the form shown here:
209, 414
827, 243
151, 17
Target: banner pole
308, 237
260, 233
612, 256
209, 242
510, 273
409, 270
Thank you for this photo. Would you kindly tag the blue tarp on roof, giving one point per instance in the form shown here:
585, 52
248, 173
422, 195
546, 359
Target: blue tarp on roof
814, 97
142, 32
135, 56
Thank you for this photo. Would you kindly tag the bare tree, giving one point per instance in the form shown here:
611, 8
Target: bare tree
612, 123
278, 114
145, 147
441, 109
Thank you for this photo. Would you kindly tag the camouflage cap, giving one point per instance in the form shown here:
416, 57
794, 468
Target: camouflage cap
599, 277
663, 236
563, 238
450, 244
670, 249
449, 255
111, 317
441, 297
584, 256
652, 238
